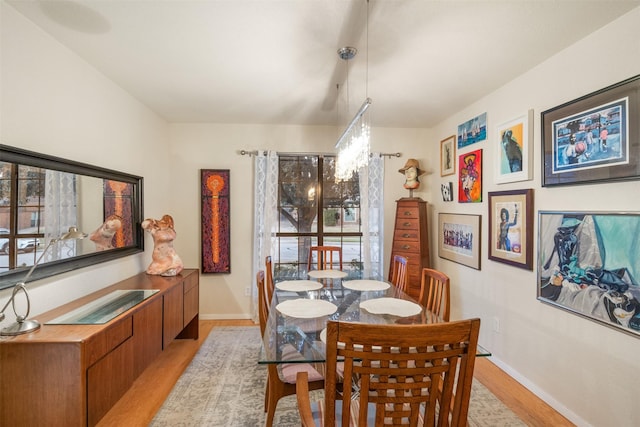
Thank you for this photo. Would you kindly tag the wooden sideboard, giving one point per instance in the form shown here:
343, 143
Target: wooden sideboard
71, 375
411, 240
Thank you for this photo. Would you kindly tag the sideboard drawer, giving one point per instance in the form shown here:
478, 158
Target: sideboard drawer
101, 344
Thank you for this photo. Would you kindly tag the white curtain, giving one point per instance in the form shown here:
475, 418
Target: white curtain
60, 212
372, 216
265, 218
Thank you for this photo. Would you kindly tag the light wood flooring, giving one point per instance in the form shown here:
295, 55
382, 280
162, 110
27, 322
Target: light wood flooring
139, 405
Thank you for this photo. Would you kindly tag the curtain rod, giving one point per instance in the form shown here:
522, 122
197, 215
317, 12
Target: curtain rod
256, 152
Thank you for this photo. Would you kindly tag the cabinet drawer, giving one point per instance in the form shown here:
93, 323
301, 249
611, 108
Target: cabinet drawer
407, 235
407, 224
408, 212
407, 246
103, 343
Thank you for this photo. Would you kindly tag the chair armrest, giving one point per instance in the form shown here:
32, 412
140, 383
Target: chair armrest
304, 402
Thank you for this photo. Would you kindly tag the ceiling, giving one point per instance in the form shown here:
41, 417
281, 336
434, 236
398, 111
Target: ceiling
276, 61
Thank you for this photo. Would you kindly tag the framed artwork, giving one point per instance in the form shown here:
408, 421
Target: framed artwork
215, 204
470, 177
459, 238
511, 227
514, 148
595, 138
472, 131
447, 191
448, 156
588, 263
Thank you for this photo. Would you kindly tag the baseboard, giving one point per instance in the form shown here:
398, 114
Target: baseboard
544, 396
240, 316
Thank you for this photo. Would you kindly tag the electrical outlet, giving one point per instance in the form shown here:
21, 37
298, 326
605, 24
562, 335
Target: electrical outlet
496, 324
247, 291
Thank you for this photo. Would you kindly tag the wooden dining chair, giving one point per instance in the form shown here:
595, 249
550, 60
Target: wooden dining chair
325, 257
435, 292
405, 374
281, 378
268, 267
399, 273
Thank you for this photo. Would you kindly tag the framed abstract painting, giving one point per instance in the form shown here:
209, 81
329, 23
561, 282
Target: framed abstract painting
215, 231
448, 156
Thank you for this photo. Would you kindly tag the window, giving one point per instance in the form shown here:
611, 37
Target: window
314, 209
21, 232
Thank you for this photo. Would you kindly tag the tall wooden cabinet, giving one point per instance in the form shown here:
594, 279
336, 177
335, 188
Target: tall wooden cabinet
72, 374
411, 240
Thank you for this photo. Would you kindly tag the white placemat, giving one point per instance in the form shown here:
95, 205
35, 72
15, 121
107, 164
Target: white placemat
306, 308
299, 285
393, 306
365, 285
327, 274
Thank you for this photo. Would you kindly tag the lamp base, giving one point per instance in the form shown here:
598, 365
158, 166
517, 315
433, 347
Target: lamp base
19, 328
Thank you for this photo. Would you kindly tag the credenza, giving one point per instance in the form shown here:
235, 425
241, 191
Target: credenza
411, 240
72, 374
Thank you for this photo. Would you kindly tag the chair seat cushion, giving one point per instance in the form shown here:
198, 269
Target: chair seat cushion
288, 371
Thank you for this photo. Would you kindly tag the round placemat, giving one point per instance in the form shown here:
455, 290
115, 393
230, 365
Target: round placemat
298, 285
306, 308
393, 306
327, 274
366, 285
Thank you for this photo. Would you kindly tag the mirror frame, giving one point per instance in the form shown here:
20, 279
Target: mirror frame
30, 158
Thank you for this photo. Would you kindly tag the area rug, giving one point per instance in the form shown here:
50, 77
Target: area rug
224, 386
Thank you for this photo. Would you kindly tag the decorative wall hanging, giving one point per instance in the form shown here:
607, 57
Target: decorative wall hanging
594, 138
511, 227
514, 148
588, 263
215, 205
472, 131
448, 156
470, 177
459, 238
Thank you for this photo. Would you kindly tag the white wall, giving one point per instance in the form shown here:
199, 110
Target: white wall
54, 103
209, 146
589, 372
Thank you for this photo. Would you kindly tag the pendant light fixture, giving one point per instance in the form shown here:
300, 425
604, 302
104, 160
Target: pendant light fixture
354, 143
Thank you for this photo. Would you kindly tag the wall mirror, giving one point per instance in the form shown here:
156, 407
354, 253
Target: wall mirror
42, 196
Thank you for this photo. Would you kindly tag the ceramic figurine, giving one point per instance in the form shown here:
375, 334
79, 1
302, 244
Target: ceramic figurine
165, 260
412, 172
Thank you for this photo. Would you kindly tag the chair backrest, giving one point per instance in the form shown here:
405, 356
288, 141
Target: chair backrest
325, 257
268, 268
403, 372
435, 292
399, 273
263, 305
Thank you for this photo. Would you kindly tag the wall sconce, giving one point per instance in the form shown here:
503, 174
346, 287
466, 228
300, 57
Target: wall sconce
22, 325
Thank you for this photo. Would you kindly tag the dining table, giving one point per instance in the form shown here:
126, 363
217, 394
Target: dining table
300, 309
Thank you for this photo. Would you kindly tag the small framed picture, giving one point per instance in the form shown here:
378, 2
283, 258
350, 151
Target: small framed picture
472, 131
514, 148
595, 138
447, 191
470, 177
511, 227
459, 238
448, 156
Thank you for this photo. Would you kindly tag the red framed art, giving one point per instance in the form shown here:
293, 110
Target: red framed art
215, 205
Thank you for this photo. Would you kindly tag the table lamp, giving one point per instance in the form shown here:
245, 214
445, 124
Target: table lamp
22, 325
